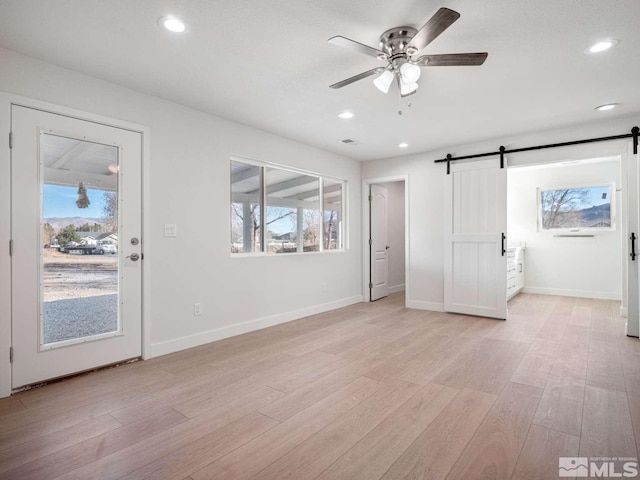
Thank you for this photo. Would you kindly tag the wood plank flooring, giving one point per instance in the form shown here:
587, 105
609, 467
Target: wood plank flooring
370, 391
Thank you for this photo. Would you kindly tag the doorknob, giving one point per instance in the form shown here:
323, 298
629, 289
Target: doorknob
134, 257
387, 247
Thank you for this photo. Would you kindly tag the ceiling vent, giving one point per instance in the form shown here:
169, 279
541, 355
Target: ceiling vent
349, 141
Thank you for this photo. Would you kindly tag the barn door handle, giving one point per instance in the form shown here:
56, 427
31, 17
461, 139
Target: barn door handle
633, 247
504, 237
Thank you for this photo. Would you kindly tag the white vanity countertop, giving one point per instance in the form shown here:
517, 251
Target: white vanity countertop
515, 245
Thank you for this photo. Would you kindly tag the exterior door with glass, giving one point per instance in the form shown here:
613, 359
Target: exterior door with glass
76, 245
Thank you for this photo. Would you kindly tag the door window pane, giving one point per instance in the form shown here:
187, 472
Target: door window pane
332, 208
79, 232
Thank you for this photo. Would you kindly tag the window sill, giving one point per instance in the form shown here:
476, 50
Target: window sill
292, 254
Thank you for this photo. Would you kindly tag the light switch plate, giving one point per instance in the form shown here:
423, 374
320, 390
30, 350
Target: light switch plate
170, 230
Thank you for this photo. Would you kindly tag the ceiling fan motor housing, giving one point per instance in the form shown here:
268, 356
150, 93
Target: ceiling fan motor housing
394, 43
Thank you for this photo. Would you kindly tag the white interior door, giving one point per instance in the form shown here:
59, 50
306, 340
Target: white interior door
475, 229
632, 243
379, 285
76, 305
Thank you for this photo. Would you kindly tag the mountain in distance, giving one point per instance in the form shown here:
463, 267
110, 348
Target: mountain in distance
60, 222
596, 214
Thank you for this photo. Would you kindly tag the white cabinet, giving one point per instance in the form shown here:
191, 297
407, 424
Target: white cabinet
515, 271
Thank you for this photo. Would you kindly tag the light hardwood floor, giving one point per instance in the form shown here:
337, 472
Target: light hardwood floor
371, 391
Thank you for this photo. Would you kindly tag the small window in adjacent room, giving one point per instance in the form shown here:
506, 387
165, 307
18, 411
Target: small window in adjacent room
280, 210
576, 209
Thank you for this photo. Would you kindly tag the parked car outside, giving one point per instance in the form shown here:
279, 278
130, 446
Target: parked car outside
106, 248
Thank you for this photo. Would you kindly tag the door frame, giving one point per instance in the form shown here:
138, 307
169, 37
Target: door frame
366, 267
6, 101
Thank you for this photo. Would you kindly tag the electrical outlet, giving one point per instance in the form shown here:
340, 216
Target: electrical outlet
197, 309
170, 230
323, 286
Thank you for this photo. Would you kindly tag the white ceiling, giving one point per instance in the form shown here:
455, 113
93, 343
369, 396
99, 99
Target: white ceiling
268, 64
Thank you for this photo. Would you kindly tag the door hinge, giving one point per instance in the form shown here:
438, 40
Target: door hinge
370, 286
10, 139
10, 354
370, 242
11, 248
370, 198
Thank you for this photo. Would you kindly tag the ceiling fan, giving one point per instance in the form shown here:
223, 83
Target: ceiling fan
399, 45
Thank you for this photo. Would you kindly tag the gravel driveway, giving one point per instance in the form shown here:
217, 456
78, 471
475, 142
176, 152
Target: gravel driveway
80, 295
80, 317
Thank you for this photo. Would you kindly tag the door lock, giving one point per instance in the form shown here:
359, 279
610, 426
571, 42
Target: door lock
134, 257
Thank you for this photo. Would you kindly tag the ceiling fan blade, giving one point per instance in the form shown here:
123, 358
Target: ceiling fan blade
452, 59
349, 44
355, 78
437, 24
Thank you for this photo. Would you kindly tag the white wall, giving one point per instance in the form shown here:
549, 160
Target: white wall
395, 227
426, 189
187, 183
581, 267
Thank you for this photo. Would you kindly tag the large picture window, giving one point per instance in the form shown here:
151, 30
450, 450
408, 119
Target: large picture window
576, 209
277, 210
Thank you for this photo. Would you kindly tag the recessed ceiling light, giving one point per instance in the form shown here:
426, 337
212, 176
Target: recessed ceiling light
403, 145
173, 24
346, 115
608, 106
602, 45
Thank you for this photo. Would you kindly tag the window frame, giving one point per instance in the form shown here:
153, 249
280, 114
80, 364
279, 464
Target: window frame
570, 230
263, 165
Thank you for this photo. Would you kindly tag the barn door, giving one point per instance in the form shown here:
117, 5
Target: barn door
632, 243
475, 239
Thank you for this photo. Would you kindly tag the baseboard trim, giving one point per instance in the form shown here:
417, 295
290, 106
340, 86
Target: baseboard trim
623, 312
201, 338
572, 293
396, 288
431, 306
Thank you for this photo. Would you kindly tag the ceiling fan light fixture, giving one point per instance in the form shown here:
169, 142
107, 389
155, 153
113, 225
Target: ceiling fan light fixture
407, 88
411, 50
384, 81
409, 73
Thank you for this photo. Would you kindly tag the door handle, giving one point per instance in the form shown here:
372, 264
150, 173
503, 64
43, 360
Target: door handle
134, 257
504, 237
633, 247
387, 247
